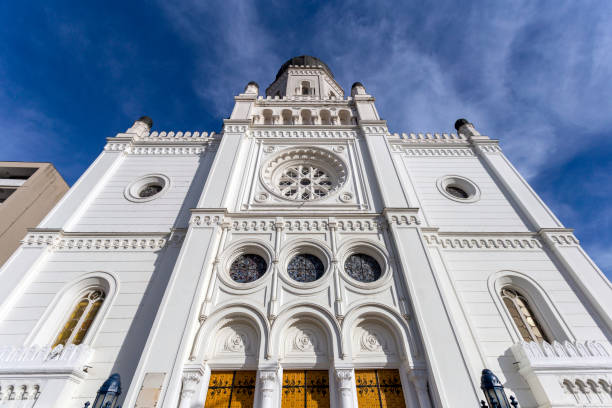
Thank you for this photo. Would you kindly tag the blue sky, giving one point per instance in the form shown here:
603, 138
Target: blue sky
535, 74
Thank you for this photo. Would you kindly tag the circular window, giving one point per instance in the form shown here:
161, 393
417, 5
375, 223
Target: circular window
304, 174
362, 268
248, 268
305, 268
458, 189
304, 182
147, 188
150, 190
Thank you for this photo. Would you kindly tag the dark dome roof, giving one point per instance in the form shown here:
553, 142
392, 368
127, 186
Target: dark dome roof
304, 60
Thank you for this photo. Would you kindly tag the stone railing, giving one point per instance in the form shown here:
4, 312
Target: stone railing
568, 354
36, 359
566, 374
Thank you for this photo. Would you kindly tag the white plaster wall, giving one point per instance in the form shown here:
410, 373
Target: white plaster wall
492, 212
110, 211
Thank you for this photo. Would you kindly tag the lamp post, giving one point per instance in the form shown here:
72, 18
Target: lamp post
494, 391
108, 393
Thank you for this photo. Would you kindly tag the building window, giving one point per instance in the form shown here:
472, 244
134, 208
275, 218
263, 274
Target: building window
362, 267
524, 319
458, 188
82, 316
305, 268
146, 188
379, 388
230, 389
304, 182
305, 389
150, 190
248, 268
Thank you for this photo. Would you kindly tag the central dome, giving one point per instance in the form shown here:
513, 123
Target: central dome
304, 60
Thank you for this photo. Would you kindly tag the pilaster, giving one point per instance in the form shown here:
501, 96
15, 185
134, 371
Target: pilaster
449, 370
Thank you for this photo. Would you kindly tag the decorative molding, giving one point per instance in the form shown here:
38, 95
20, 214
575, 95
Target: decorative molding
235, 128
375, 129
403, 220
372, 341
559, 238
305, 341
482, 242
165, 143
15, 391
398, 139
435, 152
304, 133
236, 342
488, 147
66, 241
253, 225
205, 220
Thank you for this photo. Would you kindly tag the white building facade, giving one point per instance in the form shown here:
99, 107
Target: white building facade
303, 257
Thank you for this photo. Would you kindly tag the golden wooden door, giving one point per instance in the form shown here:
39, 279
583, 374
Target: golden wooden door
231, 389
379, 389
305, 389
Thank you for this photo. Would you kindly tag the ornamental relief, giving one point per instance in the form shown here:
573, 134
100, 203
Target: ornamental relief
371, 340
236, 342
305, 340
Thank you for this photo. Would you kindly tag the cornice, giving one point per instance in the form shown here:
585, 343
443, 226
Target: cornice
61, 240
293, 132
164, 143
482, 240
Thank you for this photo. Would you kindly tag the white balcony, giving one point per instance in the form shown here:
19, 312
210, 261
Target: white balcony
568, 374
38, 376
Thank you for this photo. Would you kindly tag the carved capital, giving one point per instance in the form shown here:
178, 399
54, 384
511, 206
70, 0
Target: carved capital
344, 377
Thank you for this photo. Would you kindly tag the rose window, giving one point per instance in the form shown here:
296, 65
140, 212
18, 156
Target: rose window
304, 182
304, 174
248, 268
362, 267
150, 190
305, 268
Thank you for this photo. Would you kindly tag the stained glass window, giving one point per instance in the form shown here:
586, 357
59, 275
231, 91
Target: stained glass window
304, 182
362, 267
305, 268
149, 190
81, 318
248, 268
523, 317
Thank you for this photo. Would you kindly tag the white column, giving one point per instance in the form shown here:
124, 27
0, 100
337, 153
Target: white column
346, 384
191, 379
268, 385
419, 381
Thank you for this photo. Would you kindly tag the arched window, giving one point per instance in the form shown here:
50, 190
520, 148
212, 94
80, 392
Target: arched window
267, 115
345, 117
306, 90
287, 117
325, 116
523, 316
81, 317
306, 117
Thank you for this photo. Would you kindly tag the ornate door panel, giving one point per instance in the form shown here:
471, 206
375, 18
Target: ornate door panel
379, 389
231, 389
305, 389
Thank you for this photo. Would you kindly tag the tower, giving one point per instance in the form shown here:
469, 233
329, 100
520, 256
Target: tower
305, 253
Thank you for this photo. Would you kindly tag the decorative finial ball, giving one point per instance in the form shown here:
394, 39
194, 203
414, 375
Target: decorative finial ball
358, 89
460, 122
146, 120
252, 87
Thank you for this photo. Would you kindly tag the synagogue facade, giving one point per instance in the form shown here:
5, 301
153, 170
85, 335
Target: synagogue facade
305, 256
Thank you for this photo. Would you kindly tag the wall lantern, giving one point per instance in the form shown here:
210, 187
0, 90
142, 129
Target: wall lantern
108, 393
494, 391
